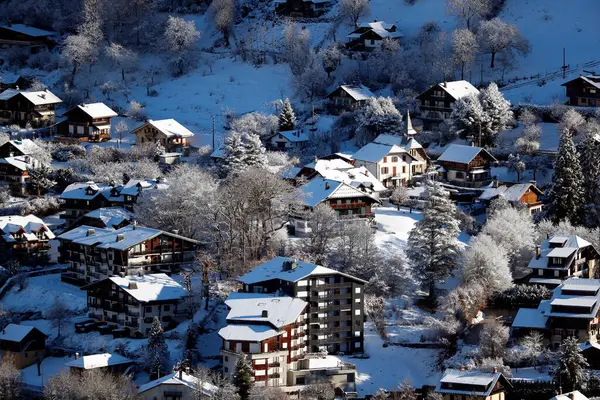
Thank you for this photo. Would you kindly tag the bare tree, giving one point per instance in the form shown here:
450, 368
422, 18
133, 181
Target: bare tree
467, 10
267, 393
120, 129
492, 340
323, 223
58, 313
10, 379
122, 57
224, 14
318, 391
464, 49
92, 384
354, 10
497, 36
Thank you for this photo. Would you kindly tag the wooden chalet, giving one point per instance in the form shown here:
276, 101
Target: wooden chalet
466, 166
302, 8
12, 81
25, 344
25, 239
20, 35
288, 140
473, 385
371, 35
105, 218
86, 123
28, 107
171, 135
583, 91
437, 101
517, 194
348, 98
16, 158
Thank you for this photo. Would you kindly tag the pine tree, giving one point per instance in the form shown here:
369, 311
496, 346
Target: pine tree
566, 192
590, 162
255, 152
287, 118
242, 151
570, 365
157, 352
497, 111
242, 377
468, 117
433, 243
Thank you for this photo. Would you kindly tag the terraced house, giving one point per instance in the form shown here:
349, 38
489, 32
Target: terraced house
94, 254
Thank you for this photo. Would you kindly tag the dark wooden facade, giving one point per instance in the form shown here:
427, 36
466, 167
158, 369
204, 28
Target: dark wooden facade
303, 8
26, 352
340, 101
20, 110
583, 91
81, 127
476, 173
11, 38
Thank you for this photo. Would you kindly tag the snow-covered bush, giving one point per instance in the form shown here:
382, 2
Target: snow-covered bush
64, 152
256, 123
521, 296
42, 206
136, 111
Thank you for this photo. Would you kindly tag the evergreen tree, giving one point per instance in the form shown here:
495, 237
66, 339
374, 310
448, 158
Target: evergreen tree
157, 352
243, 151
255, 152
287, 118
570, 365
39, 179
590, 162
497, 111
433, 243
566, 192
242, 377
468, 118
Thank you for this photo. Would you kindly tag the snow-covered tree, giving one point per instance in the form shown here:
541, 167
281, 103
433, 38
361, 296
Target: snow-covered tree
433, 243
136, 111
399, 196
10, 378
224, 14
493, 339
464, 49
353, 10
467, 10
255, 152
378, 115
332, 57
296, 47
287, 118
40, 179
323, 223
242, 377
356, 252
267, 393
121, 57
120, 129
571, 122
256, 123
180, 35
565, 197
468, 118
570, 365
77, 50
58, 313
590, 163
318, 391
533, 347
485, 262
91, 384
312, 83
497, 111
516, 165
242, 151
497, 36
157, 351
529, 142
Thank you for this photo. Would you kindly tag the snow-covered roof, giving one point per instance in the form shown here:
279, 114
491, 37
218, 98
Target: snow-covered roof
582, 301
374, 152
276, 269
576, 395
591, 79
581, 285
99, 361
354, 177
278, 311
248, 332
169, 127
21, 163
15, 333
459, 89
568, 245
318, 190
324, 165
110, 216
468, 382
511, 193
583, 305
181, 378
152, 287
96, 110
531, 318
295, 135
9, 77
289, 172
28, 225
392, 140
462, 154
41, 97
28, 30
79, 190
357, 92
381, 28
25, 146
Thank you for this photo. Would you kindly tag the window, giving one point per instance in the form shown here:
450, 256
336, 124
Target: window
167, 307
226, 358
356, 312
556, 274
226, 369
394, 159
357, 345
149, 309
357, 290
384, 170
356, 333
384, 159
357, 300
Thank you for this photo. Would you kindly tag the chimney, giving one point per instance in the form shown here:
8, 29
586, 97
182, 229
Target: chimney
445, 84
495, 370
327, 187
132, 285
265, 314
462, 368
134, 225
180, 373
90, 232
294, 265
77, 356
538, 252
572, 395
120, 237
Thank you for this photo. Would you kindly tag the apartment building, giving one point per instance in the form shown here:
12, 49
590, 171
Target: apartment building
335, 301
131, 303
25, 239
94, 253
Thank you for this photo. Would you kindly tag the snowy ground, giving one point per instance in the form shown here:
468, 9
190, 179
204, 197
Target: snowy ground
50, 366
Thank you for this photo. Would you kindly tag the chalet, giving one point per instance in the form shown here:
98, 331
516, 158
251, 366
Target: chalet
25, 239
302, 8
584, 91
591, 352
16, 158
437, 101
560, 257
94, 253
130, 303
28, 107
271, 331
25, 344
21, 147
349, 202
393, 160
573, 311
86, 123
178, 385
20, 35
348, 98
471, 385
518, 195
105, 218
288, 140
574, 395
105, 362
371, 35
12, 81
82, 197
466, 166
335, 301
173, 136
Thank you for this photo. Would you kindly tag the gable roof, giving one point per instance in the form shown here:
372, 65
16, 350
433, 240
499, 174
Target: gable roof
99, 361
25, 146
512, 193
28, 225
274, 269
21, 163
381, 28
95, 110
249, 307
28, 30
470, 382
374, 152
569, 244
181, 378
294, 136
110, 216
357, 92
16, 333
41, 97
354, 177
462, 154
318, 190
459, 89
169, 127
591, 79
575, 395
147, 288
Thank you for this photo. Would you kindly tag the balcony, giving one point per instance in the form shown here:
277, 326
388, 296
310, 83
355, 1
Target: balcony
344, 206
274, 376
274, 364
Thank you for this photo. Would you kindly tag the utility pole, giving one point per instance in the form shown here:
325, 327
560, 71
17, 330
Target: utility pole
564, 66
213, 133
481, 77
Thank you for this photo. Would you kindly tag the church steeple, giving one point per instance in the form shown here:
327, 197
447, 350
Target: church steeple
410, 131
